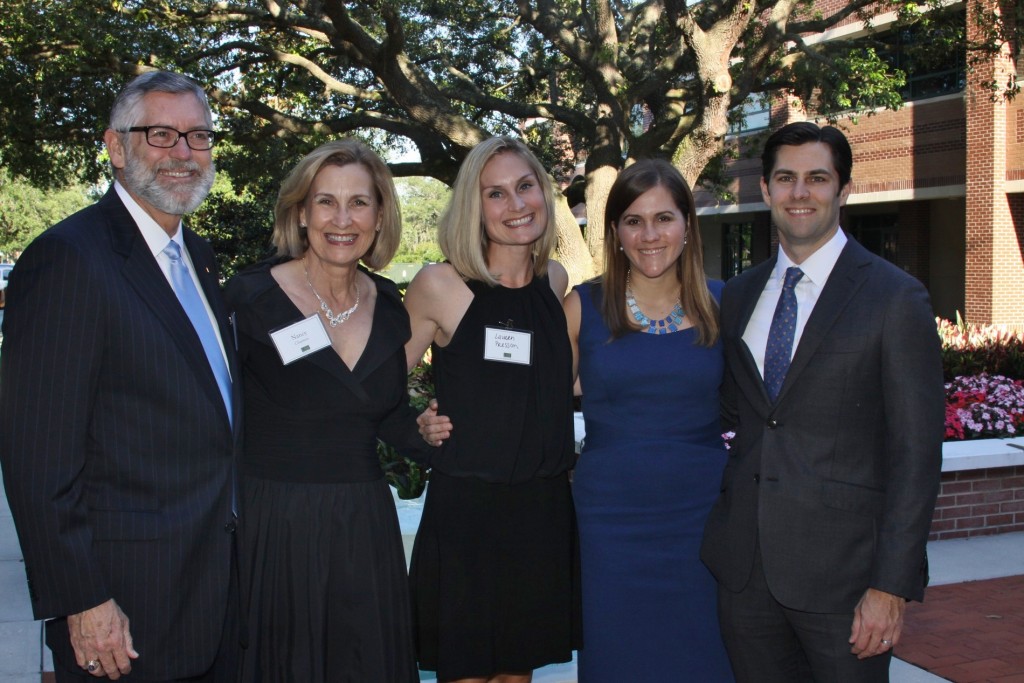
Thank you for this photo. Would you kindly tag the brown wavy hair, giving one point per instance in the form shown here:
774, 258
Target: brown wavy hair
694, 295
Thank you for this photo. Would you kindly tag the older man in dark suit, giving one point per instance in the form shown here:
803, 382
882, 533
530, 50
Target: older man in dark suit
118, 415
834, 388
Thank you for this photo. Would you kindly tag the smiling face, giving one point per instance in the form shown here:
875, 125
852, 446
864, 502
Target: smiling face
804, 196
512, 201
166, 182
652, 231
341, 214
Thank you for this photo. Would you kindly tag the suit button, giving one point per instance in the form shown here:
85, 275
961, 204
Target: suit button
757, 478
231, 526
772, 423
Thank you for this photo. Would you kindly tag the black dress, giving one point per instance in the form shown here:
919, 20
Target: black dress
495, 571
323, 570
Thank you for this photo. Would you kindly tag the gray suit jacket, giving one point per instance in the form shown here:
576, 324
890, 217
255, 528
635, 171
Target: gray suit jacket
838, 477
117, 452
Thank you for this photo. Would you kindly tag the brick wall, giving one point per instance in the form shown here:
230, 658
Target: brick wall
979, 503
921, 145
995, 270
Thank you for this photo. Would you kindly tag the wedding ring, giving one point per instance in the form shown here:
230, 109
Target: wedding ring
92, 665
885, 642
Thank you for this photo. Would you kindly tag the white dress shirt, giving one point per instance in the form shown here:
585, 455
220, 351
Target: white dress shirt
817, 267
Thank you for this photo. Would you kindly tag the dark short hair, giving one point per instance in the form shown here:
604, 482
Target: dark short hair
802, 133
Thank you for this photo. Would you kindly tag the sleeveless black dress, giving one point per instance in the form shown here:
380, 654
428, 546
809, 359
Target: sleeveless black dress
323, 569
495, 570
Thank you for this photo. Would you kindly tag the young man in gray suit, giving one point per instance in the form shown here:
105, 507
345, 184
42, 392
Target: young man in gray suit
834, 388
118, 414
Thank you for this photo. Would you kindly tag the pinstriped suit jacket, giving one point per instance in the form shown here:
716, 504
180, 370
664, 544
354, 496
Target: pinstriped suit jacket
117, 452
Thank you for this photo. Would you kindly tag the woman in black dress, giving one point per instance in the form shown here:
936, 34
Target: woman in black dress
494, 570
321, 344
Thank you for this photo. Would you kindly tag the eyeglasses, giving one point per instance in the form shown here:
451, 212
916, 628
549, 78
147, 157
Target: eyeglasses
164, 137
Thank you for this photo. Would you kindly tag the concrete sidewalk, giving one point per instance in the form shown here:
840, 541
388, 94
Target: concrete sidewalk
22, 653
23, 657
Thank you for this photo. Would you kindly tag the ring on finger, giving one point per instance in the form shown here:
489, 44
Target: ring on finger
885, 642
92, 665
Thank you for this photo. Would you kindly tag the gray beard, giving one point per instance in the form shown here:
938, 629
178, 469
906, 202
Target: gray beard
145, 182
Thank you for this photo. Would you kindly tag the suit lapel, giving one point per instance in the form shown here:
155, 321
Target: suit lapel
143, 273
748, 297
847, 277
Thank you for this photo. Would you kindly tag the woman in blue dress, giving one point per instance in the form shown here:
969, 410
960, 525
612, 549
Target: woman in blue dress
646, 340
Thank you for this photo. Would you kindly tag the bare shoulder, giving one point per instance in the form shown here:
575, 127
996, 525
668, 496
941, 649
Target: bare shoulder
435, 291
436, 300
559, 278
434, 278
572, 300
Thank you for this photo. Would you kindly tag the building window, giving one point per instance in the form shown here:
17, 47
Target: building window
736, 248
929, 74
879, 234
754, 114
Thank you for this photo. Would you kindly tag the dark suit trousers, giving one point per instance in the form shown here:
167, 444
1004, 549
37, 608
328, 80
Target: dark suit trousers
769, 643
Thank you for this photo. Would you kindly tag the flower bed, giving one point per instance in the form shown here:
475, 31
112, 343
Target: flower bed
984, 370
984, 406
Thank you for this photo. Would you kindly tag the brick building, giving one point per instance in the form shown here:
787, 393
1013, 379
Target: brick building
938, 186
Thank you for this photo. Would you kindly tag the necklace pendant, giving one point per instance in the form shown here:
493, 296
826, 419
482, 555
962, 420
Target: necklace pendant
333, 320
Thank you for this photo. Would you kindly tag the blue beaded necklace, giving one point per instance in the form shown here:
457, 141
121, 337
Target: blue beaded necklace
666, 325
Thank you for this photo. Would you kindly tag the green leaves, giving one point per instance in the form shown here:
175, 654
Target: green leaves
26, 211
597, 80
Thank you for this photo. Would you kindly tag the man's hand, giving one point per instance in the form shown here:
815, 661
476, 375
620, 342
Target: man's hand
434, 428
877, 623
101, 635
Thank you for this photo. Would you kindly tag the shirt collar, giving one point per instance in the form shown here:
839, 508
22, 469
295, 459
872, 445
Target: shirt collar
155, 236
818, 266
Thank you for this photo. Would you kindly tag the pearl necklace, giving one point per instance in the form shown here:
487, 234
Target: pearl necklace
666, 325
333, 319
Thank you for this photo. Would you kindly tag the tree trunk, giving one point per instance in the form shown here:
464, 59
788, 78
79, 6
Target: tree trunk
599, 183
571, 251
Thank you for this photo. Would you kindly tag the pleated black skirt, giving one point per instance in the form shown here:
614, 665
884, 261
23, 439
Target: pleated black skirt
325, 577
495, 576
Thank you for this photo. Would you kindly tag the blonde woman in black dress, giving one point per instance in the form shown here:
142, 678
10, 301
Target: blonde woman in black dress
321, 342
494, 570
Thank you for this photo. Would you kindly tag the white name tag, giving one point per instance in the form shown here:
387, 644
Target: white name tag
300, 339
508, 346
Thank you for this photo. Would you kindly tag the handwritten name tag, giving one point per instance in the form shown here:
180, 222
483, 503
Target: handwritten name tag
505, 345
300, 339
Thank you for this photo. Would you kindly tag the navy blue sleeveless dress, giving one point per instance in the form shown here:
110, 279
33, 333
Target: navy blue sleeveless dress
643, 486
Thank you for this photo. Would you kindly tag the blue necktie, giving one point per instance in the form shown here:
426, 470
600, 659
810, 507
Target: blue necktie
779, 350
192, 302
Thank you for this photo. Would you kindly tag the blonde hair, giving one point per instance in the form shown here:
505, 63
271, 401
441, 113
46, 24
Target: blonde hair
290, 237
694, 294
461, 233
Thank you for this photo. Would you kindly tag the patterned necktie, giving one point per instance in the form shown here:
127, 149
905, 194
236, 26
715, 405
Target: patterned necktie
779, 350
194, 307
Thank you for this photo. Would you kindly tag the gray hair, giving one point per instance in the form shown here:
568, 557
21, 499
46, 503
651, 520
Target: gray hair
126, 110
